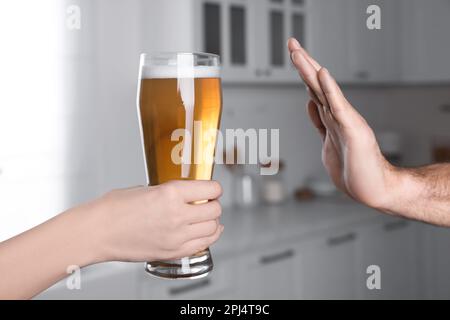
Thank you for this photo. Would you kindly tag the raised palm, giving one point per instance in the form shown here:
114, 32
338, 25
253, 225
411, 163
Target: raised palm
350, 151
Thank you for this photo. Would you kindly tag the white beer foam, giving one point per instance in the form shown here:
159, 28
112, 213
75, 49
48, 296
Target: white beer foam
174, 72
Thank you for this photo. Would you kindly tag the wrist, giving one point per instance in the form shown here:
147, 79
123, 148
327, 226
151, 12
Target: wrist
402, 188
85, 225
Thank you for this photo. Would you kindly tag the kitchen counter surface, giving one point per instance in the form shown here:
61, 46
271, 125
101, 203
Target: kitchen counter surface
246, 228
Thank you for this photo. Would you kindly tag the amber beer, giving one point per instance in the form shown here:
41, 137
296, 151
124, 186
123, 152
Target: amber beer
179, 102
162, 113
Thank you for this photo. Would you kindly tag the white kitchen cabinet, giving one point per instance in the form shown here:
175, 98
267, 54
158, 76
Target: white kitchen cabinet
341, 41
373, 55
392, 246
328, 267
227, 28
250, 36
277, 21
440, 270
425, 40
413, 44
268, 274
328, 40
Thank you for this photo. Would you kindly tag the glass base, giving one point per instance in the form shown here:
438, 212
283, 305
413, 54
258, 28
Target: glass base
194, 267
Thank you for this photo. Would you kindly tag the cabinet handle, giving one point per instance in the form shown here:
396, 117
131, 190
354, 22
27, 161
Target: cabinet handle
189, 287
277, 257
392, 226
259, 73
336, 241
268, 73
362, 75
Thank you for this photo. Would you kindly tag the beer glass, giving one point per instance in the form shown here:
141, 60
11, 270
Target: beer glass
179, 107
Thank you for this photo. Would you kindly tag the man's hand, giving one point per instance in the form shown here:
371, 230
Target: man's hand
353, 158
350, 151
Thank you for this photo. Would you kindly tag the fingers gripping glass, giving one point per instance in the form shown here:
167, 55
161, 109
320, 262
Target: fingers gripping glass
179, 104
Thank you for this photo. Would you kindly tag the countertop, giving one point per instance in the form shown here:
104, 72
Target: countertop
246, 228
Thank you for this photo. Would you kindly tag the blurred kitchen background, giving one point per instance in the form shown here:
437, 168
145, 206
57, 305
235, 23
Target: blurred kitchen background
69, 133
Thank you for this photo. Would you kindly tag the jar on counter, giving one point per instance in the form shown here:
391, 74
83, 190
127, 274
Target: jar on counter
244, 187
273, 188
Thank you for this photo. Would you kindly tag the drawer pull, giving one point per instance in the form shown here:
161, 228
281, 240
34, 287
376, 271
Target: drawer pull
259, 72
288, 254
392, 226
337, 241
362, 75
190, 287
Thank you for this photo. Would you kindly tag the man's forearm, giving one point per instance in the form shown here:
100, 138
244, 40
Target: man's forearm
423, 194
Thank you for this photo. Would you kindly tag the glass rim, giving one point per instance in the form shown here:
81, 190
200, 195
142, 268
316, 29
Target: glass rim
169, 54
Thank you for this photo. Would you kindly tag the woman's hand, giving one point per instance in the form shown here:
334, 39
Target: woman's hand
157, 223
137, 224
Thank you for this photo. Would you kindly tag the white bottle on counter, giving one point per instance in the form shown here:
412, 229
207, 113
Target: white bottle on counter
273, 187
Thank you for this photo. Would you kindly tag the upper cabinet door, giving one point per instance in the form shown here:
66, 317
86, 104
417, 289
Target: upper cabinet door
373, 54
251, 35
278, 20
426, 40
328, 41
342, 42
226, 29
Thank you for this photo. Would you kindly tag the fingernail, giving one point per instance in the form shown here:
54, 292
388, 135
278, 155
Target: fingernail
294, 42
222, 227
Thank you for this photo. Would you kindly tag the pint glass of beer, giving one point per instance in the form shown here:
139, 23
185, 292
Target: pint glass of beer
179, 105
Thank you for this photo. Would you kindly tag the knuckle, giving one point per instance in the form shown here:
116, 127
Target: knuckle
217, 187
211, 228
170, 191
216, 208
